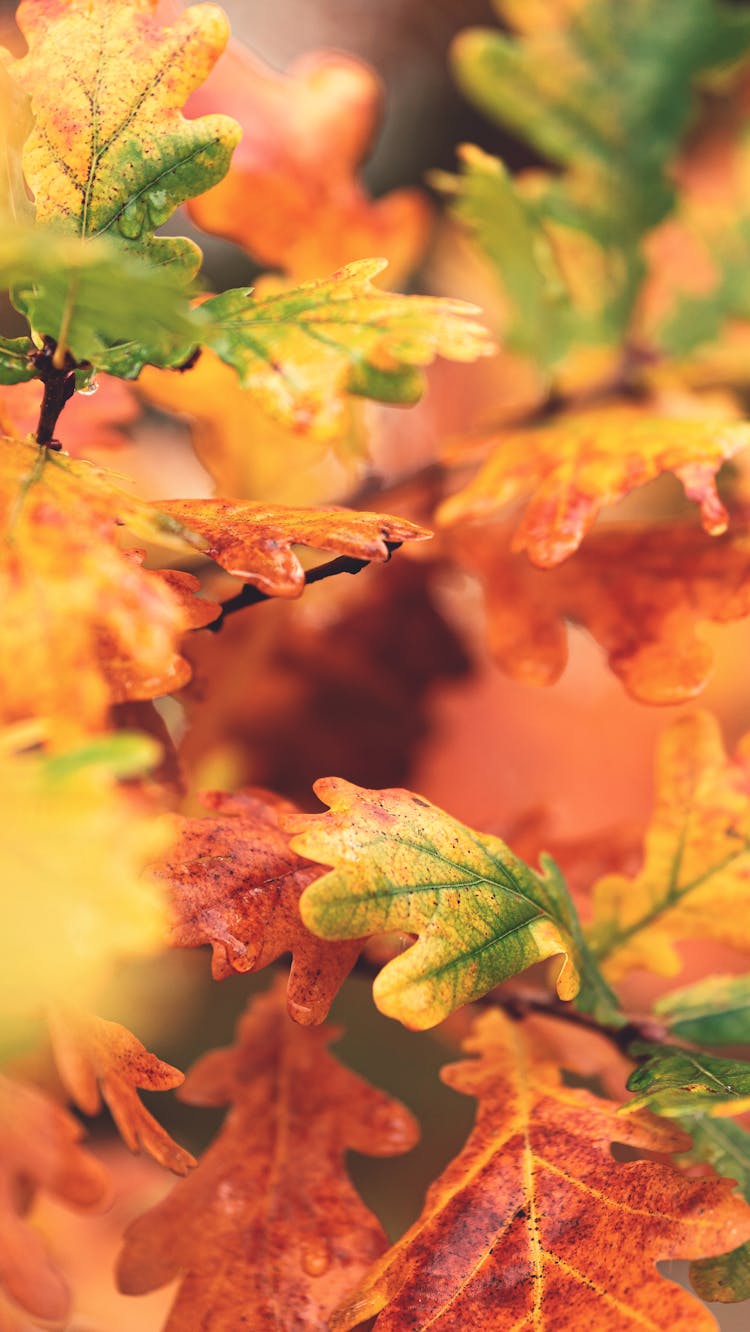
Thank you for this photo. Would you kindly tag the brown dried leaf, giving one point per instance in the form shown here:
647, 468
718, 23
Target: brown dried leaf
272, 1185
102, 1061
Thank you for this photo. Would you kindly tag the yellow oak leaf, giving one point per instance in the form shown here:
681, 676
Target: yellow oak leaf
695, 880
569, 470
75, 846
110, 150
534, 1224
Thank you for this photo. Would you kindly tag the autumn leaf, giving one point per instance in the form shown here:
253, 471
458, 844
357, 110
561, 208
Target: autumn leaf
16, 122
522, 1227
606, 92
254, 541
714, 1011
40, 1151
234, 883
71, 915
301, 349
91, 625
726, 1147
110, 150
695, 880
102, 304
643, 593
272, 1184
586, 460
102, 1061
480, 913
682, 1083
292, 196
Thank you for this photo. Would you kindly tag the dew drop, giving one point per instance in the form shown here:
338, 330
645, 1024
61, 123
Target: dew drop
316, 1259
90, 389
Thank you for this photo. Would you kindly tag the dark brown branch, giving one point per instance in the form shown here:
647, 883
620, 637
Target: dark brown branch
59, 387
251, 595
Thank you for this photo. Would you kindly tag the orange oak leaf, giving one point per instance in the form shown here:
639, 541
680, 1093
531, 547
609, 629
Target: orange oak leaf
588, 459
642, 592
272, 1185
91, 626
102, 1061
254, 541
40, 1150
535, 1225
292, 195
695, 880
234, 883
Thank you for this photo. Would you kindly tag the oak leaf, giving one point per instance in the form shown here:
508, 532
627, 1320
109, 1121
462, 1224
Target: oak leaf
40, 1151
643, 593
302, 349
255, 541
714, 1011
110, 150
480, 914
62, 816
725, 1146
90, 624
102, 1061
588, 459
535, 1224
695, 880
272, 1184
234, 882
292, 196
686, 1083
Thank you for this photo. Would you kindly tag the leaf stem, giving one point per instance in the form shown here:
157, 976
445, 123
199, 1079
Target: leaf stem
251, 595
59, 386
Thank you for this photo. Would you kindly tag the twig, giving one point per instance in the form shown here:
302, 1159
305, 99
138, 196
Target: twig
59, 387
251, 595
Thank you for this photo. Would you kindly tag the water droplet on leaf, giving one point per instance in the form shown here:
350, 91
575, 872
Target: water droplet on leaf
316, 1259
89, 389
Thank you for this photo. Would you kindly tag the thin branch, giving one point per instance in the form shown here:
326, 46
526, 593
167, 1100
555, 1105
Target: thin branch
59, 387
252, 596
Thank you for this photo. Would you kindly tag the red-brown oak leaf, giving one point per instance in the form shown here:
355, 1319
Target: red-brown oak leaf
272, 1186
234, 882
535, 1225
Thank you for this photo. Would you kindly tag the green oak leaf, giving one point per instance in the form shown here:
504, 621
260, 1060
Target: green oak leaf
725, 1146
607, 94
15, 366
714, 1011
479, 912
103, 304
300, 349
677, 1083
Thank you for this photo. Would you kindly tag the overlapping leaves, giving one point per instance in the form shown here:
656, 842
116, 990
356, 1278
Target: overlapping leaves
480, 913
518, 1230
